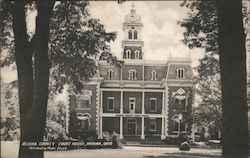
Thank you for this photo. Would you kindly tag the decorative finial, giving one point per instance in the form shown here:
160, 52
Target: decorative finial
133, 6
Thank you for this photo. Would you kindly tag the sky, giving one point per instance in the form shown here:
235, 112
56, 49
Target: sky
161, 33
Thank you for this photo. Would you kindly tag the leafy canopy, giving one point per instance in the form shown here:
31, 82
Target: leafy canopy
77, 43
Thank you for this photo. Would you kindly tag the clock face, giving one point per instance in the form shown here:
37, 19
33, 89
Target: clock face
132, 19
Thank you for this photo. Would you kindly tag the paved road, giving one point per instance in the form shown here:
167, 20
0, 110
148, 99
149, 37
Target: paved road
10, 150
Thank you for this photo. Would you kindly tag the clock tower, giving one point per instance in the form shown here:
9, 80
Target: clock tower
132, 44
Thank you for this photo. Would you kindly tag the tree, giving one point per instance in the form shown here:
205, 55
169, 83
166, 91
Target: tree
231, 41
218, 27
33, 60
208, 113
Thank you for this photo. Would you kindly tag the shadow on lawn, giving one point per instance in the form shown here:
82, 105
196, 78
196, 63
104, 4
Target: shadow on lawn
184, 155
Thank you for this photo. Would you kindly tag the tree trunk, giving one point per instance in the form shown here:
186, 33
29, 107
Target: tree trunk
23, 57
233, 79
33, 90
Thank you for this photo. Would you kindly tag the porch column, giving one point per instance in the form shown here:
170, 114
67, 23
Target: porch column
142, 128
121, 106
121, 127
143, 101
162, 129
163, 105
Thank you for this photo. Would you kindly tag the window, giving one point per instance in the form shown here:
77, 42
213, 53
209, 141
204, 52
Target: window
83, 100
153, 124
131, 105
180, 100
110, 103
153, 75
180, 73
135, 34
137, 54
83, 103
128, 54
153, 104
132, 74
84, 121
176, 124
110, 74
129, 34
180, 103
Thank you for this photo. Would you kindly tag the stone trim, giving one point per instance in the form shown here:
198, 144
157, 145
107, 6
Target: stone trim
97, 107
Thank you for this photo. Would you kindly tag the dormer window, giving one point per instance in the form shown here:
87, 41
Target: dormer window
137, 54
132, 74
180, 73
129, 34
135, 34
110, 74
153, 75
128, 54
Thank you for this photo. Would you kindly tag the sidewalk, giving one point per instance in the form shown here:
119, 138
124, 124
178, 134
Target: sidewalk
10, 149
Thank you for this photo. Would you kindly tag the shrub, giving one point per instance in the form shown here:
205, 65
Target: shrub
176, 140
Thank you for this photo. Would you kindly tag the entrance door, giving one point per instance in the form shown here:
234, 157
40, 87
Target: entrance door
131, 127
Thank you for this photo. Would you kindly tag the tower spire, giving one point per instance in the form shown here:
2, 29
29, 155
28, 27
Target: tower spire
132, 44
133, 6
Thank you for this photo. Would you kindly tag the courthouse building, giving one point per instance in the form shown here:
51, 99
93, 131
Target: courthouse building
141, 100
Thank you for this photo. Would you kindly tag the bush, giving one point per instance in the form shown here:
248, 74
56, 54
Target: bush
54, 131
176, 140
114, 137
89, 136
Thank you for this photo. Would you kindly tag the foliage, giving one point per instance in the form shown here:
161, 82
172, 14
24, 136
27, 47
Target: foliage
201, 31
77, 43
55, 124
176, 140
114, 137
9, 111
209, 111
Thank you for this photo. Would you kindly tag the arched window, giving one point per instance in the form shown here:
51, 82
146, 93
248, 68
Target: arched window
180, 100
132, 74
129, 34
110, 74
135, 34
128, 54
179, 125
153, 75
180, 73
84, 121
137, 54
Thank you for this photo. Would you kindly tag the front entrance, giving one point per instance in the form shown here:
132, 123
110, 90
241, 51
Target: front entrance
131, 127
